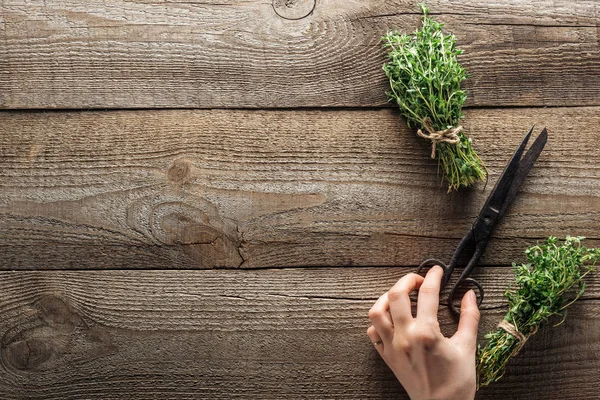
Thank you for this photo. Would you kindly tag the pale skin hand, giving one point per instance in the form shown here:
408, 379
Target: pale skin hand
428, 364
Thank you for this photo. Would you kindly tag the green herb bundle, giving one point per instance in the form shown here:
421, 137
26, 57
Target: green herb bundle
545, 286
425, 79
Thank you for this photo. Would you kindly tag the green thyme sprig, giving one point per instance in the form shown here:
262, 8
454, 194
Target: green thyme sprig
545, 286
425, 79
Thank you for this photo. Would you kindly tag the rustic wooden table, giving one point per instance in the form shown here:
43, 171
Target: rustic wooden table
202, 200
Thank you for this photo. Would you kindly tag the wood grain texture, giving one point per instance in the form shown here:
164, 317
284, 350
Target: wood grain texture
198, 54
269, 334
205, 189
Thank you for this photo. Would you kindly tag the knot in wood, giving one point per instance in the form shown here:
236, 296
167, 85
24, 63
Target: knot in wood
27, 354
52, 336
293, 9
179, 171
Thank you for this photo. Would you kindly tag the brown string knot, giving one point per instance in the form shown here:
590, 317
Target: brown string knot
514, 332
449, 135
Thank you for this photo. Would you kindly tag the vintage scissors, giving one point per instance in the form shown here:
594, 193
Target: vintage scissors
498, 201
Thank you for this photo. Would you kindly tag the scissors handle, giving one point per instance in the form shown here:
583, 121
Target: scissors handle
430, 262
452, 297
463, 280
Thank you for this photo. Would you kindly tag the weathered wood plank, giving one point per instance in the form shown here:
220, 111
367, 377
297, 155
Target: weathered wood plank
124, 54
272, 334
204, 189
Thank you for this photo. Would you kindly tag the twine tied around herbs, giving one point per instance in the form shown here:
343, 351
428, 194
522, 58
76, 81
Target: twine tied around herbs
514, 332
449, 135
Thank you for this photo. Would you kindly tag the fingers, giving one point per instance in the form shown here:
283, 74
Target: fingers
469, 321
381, 319
429, 295
375, 339
399, 301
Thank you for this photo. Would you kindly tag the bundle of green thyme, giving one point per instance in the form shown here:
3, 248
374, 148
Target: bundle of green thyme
545, 287
425, 79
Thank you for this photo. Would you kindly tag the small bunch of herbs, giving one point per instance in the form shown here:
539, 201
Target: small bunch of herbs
545, 287
425, 79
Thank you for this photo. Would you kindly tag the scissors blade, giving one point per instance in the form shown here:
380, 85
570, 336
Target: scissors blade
502, 187
524, 167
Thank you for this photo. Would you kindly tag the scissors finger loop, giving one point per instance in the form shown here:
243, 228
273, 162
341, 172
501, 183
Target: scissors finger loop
430, 262
452, 297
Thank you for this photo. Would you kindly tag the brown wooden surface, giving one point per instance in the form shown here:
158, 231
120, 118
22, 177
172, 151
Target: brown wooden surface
204, 189
284, 333
142, 251
124, 54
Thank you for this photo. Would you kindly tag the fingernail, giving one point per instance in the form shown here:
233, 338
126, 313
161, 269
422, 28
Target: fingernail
471, 294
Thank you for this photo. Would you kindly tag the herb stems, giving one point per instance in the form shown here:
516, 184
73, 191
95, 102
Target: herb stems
545, 286
425, 78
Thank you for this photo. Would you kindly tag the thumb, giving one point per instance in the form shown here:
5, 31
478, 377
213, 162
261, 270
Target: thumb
469, 320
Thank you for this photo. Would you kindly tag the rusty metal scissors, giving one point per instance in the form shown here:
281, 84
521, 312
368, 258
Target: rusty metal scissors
498, 201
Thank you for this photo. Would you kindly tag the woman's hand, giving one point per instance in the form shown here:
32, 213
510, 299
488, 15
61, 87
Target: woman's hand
428, 364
